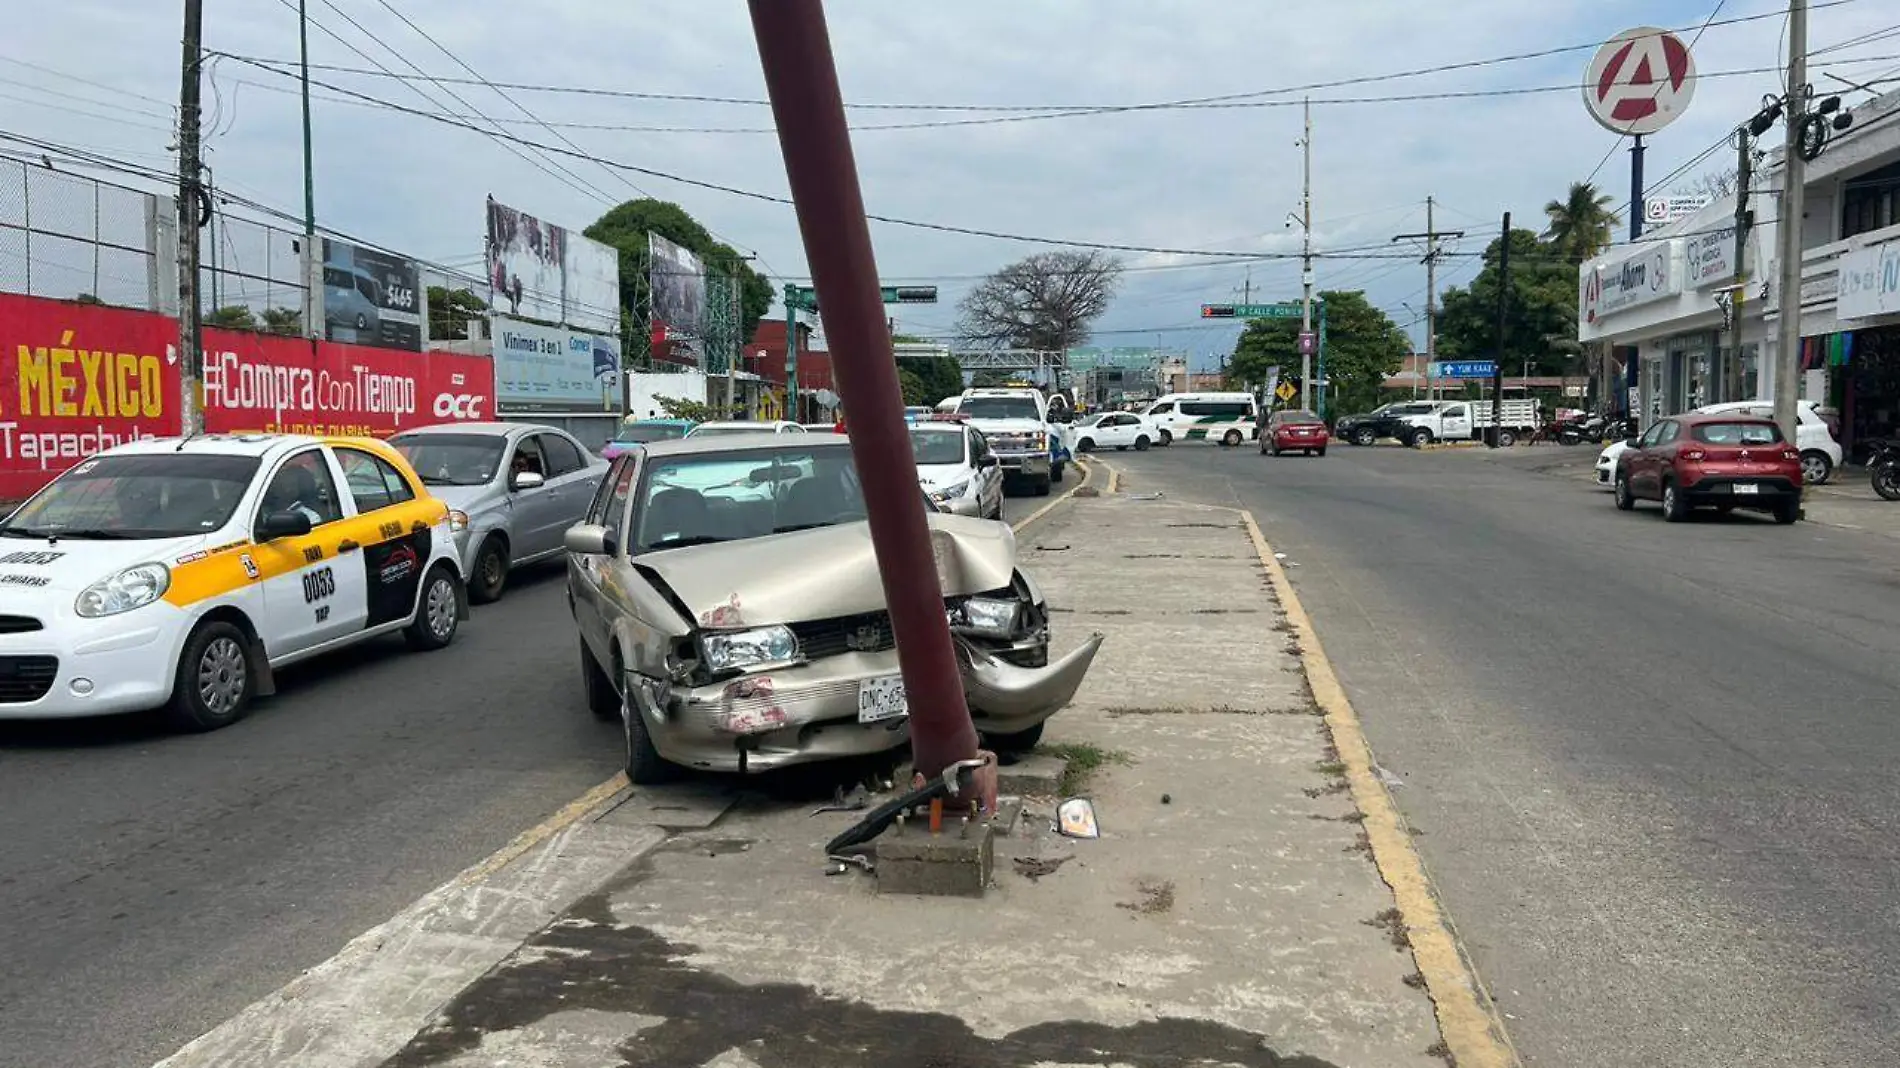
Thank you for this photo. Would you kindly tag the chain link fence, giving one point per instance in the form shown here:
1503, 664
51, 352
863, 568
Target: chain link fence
70, 237
251, 275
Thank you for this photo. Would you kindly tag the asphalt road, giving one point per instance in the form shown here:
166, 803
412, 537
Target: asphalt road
153, 885
1655, 766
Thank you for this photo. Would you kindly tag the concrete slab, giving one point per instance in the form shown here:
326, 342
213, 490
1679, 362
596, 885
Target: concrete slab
1032, 775
689, 806
954, 863
1238, 921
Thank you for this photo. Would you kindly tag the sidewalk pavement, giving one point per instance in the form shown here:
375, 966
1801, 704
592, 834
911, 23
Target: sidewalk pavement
1229, 914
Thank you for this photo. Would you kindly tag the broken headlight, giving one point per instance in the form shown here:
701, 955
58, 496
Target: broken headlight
989, 616
733, 650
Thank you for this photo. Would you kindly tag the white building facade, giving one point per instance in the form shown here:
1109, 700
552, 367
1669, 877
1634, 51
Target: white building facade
1685, 333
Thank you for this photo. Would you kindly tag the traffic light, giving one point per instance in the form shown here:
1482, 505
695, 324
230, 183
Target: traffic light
1217, 311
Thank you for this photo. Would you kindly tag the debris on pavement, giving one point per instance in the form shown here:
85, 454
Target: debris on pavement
855, 802
1388, 779
1075, 818
1034, 868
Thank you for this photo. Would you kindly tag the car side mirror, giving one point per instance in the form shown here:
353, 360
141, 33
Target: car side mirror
990, 461
1633, 443
283, 525
589, 539
525, 480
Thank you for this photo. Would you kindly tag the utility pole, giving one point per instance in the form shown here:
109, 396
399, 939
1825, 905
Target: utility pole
1306, 255
1497, 368
1788, 221
791, 352
312, 255
190, 195
1431, 236
738, 343
1744, 219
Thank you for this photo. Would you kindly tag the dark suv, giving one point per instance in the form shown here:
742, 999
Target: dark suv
1726, 461
1385, 421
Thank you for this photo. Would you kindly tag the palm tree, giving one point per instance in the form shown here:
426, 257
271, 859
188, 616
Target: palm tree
1582, 223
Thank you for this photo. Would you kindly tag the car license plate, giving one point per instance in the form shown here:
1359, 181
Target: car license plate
1747, 487
881, 699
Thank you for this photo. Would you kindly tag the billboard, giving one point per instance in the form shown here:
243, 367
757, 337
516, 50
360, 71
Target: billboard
79, 378
678, 283
590, 275
524, 263
537, 270
371, 298
278, 385
548, 368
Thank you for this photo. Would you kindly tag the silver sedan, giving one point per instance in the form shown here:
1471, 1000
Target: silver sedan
513, 489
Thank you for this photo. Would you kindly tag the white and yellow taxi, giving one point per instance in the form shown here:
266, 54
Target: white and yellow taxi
177, 574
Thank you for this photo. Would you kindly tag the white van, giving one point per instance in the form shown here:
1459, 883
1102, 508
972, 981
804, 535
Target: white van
1224, 417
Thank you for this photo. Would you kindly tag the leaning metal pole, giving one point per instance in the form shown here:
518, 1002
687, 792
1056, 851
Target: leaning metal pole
802, 81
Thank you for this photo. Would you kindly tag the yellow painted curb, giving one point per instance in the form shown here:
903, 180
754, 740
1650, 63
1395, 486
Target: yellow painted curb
1088, 472
569, 814
1474, 1034
1114, 478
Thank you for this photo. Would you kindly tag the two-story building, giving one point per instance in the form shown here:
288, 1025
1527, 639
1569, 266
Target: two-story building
1686, 334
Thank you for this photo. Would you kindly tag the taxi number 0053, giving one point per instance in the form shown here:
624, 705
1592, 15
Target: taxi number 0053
318, 584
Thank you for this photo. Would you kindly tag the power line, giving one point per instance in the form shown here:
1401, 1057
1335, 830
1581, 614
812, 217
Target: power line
1051, 111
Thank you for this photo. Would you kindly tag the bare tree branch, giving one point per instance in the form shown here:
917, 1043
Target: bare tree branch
1046, 301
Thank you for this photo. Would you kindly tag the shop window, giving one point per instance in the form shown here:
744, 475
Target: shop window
1871, 201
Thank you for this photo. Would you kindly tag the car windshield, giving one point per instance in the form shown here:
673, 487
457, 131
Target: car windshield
1736, 433
745, 493
642, 433
452, 459
937, 446
999, 408
743, 428
163, 495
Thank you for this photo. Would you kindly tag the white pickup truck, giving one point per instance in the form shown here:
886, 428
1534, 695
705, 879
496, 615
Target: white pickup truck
1467, 420
1016, 423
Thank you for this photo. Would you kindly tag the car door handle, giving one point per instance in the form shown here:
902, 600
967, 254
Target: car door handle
347, 546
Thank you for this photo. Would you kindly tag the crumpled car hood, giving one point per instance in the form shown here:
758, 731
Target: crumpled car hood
822, 573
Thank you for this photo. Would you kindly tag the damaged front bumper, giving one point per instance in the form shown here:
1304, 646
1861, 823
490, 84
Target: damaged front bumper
809, 712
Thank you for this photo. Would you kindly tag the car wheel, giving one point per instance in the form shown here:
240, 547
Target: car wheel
1625, 499
1506, 439
491, 572
1042, 486
602, 699
1787, 512
1141, 443
645, 765
1085, 445
1019, 742
1231, 438
1167, 437
438, 613
1675, 505
1815, 467
1364, 436
214, 682
1319, 452
1419, 438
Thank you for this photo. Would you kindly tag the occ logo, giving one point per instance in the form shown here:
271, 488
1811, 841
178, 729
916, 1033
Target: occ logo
459, 405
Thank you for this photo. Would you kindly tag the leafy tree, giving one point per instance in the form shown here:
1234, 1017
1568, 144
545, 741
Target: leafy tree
232, 317
625, 228
1045, 301
1363, 347
1581, 224
939, 376
682, 408
984, 379
450, 310
285, 321
87, 298
915, 392
1541, 304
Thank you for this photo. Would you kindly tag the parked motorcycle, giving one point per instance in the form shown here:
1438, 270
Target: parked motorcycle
1883, 468
1595, 429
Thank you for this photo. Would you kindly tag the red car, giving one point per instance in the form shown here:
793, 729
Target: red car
1724, 461
1295, 431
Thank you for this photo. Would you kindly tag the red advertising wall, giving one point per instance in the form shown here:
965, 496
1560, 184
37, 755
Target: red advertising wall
79, 378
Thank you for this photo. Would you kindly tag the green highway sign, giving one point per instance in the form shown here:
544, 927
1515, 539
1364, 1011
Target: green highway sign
805, 298
1252, 311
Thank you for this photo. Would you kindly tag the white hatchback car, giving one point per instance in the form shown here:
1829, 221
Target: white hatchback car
1814, 436
180, 574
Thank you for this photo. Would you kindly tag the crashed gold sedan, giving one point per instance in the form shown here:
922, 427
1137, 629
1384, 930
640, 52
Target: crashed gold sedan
731, 615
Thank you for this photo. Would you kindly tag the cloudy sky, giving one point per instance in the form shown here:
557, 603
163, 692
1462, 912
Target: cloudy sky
1207, 179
